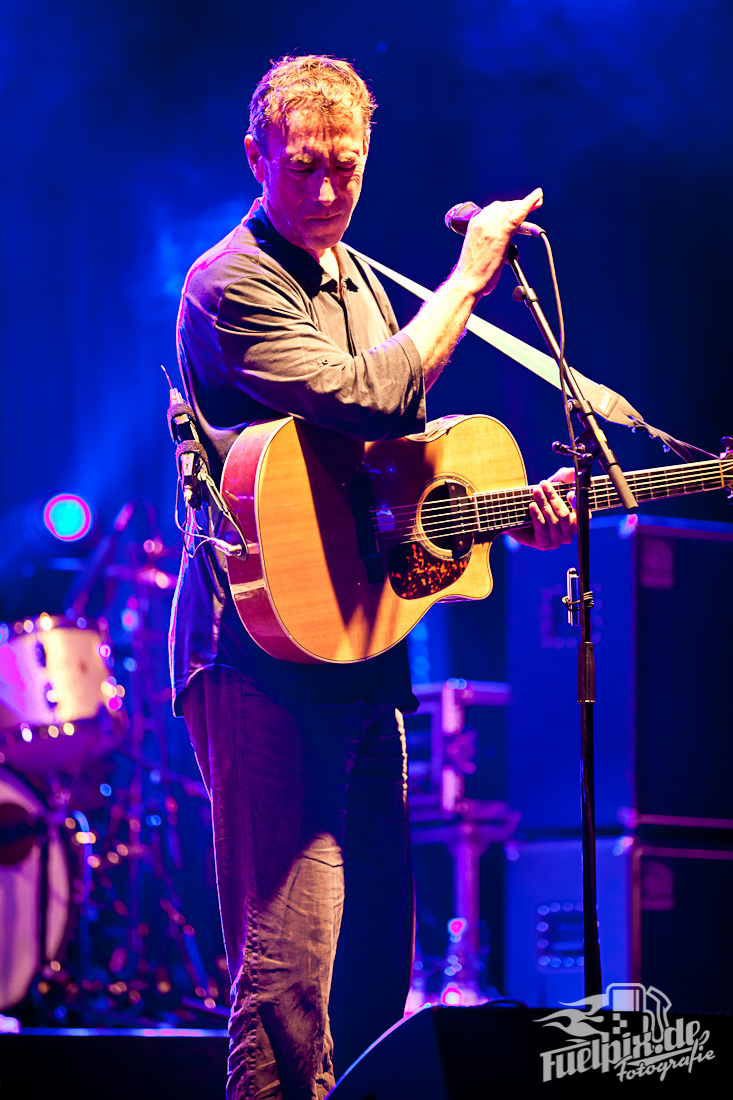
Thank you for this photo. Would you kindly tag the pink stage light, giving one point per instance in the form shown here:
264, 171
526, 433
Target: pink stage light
456, 927
451, 995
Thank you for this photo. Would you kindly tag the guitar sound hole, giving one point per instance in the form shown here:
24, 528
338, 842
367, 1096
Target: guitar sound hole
447, 518
424, 568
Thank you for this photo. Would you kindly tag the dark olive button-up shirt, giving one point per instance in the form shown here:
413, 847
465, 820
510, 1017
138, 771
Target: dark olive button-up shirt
264, 331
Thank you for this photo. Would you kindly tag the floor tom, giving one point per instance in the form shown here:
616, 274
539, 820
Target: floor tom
25, 824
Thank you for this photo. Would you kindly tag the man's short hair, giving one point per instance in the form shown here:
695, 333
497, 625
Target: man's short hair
314, 83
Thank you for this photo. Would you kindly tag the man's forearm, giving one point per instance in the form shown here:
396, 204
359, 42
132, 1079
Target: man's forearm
438, 327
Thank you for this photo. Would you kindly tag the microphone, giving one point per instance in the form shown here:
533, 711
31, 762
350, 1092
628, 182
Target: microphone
459, 216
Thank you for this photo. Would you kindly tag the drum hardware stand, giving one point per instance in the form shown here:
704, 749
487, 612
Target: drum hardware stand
78, 597
466, 826
145, 712
194, 788
146, 705
145, 709
60, 796
85, 944
43, 900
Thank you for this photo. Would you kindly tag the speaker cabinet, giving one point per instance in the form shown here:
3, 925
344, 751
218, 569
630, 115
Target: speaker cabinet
663, 646
663, 920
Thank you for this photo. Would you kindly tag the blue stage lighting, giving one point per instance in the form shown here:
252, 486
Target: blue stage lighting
67, 517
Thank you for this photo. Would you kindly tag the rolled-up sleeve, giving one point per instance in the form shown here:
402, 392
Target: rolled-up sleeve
275, 352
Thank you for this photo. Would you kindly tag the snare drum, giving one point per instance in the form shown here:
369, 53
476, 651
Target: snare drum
24, 819
58, 701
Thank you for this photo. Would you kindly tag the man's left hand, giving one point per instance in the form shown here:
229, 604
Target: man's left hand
553, 521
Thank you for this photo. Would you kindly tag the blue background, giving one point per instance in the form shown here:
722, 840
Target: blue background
123, 160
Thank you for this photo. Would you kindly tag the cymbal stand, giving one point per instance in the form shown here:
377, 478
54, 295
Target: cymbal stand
131, 813
146, 703
443, 814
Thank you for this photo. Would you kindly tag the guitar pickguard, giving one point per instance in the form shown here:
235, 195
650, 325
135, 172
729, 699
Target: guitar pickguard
413, 572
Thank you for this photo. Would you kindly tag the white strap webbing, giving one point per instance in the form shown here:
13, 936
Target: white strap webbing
604, 401
516, 349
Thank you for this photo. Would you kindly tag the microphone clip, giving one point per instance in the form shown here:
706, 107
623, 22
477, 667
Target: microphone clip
192, 462
195, 480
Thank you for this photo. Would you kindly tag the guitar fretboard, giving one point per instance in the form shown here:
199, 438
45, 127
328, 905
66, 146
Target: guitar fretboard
500, 511
504, 510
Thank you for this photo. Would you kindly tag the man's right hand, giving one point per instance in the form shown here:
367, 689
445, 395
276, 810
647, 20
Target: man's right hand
438, 326
487, 239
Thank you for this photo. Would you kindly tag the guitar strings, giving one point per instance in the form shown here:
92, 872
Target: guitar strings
497, 518
658, 477
600, 486
491, 503
439, 517
508, 521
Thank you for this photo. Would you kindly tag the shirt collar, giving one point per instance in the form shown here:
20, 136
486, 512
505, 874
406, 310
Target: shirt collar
299, 263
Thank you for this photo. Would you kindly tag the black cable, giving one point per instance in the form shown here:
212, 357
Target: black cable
561, 361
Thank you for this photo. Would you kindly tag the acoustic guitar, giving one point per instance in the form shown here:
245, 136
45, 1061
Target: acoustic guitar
350, 543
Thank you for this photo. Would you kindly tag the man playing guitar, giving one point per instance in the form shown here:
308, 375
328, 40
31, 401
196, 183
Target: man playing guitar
305, 763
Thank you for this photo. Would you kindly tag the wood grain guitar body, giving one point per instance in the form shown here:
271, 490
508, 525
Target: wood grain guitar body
346, 546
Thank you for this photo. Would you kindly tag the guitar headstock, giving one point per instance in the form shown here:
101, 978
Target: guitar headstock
726, 456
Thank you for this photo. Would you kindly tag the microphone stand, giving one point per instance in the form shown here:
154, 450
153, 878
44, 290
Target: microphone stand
591, 444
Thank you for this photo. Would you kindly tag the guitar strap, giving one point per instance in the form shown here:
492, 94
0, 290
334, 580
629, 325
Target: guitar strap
609, 405
605, 402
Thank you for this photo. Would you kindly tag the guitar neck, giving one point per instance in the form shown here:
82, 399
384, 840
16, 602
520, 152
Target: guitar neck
502, 511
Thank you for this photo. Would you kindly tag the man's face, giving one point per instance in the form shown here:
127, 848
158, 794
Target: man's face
311, 171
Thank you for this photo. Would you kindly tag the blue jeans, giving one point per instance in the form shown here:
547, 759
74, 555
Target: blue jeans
311, 836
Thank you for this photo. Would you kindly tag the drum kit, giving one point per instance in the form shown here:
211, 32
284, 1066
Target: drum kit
65, 720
